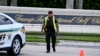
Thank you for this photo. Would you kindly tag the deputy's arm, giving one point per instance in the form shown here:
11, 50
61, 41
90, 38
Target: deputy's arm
57, 27
43, 26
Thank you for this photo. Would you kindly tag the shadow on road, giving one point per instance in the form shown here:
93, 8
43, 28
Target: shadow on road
3, 54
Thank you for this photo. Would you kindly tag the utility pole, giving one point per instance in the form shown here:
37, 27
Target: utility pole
69, 4
79, 4
3, 2
13, 2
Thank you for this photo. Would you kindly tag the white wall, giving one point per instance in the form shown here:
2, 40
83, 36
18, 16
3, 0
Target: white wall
63, 28
33, 10
67, 28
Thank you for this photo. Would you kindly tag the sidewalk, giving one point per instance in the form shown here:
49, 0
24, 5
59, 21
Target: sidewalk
72, 44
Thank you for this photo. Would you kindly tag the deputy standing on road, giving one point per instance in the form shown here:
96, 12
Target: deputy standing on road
50, 27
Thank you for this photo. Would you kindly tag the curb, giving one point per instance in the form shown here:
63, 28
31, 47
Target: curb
70, 44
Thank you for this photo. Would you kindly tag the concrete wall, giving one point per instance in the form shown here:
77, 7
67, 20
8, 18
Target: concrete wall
33, 10
63, 28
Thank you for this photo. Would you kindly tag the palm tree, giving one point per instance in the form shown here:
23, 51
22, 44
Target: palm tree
69, 4
79, 4
3, 2
13, 2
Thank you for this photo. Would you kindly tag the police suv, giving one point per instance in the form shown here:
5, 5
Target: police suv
12, 35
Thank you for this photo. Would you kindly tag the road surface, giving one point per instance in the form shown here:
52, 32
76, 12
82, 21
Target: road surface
39, 50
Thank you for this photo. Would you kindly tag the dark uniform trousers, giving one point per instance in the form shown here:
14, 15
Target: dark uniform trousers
51, 35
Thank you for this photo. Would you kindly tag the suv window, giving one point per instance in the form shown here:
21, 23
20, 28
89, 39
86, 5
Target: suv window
4, 20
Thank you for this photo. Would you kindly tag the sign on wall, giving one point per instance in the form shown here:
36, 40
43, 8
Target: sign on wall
62, 19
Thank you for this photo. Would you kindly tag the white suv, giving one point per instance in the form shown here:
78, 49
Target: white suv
12, 35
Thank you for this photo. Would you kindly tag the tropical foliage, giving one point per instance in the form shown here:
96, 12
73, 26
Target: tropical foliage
87, 4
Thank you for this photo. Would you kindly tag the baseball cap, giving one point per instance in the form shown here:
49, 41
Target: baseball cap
50, 12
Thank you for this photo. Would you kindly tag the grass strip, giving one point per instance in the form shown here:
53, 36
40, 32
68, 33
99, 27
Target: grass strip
36, 39
67, 34
73, 38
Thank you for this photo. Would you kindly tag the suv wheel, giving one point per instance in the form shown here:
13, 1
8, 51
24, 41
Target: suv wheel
15, 48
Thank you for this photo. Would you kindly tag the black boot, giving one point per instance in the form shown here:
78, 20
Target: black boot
54, 50
47, 51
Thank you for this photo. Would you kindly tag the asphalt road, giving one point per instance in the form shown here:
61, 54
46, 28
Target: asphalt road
39, 50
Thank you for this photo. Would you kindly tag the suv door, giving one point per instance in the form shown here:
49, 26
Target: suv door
5, 26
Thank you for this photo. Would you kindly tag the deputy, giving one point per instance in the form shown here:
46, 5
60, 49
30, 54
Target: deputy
51, 28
